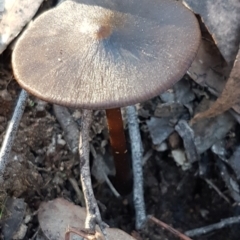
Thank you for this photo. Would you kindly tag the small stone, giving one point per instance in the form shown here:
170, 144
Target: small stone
21, 233
161, 147
174, 140
27, 219
60, 141
180, 158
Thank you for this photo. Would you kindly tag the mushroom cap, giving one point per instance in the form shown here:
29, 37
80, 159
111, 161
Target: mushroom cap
105, 55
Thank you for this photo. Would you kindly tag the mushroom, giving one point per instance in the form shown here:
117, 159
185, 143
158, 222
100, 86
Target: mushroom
106, 55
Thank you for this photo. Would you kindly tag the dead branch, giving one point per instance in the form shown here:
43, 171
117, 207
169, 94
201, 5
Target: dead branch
93, 214
222, 224
137, 155
169, 228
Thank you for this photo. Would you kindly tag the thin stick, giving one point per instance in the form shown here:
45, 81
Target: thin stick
99, 159
112, 188
77, 190
222, 224
35, 234
169, 228
11, 131
79, 233
137, 155
118, 144
93, 214
217, 190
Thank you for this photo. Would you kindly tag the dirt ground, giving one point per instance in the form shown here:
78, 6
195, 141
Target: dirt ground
42, 166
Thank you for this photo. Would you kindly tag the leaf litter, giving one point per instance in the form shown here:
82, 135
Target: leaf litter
48, 172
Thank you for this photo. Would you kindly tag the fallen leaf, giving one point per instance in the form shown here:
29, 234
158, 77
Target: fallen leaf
55, 216
159, 129
209, 68
16, 14
208, 131
15, 210
229, 97
187, 135
222, 19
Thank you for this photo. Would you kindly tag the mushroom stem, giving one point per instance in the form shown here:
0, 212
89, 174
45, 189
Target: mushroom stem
119, 148
93, 217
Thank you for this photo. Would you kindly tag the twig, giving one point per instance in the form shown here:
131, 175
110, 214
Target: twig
100, 168
11, 131
35, 234
69, 126
93, 214
81, 233
217, 190
203, 230
169, 228
77, 190
112, 188
137, 155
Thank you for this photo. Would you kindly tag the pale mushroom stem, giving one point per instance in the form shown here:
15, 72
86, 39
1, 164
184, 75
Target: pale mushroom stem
119, 148
93, 217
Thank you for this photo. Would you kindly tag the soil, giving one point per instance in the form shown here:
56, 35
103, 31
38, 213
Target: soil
42, 167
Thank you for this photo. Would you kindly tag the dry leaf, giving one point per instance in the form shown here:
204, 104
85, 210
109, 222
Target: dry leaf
229, 97
222, 19
16, 14
209, 68
235, 163
15, 211
55, 216
210, 130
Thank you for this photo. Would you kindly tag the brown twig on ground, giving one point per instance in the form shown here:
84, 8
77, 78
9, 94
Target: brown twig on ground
203, 230
169, 228
81, 233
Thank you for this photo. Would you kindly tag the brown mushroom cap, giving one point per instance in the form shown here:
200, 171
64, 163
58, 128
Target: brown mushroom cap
84, 55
